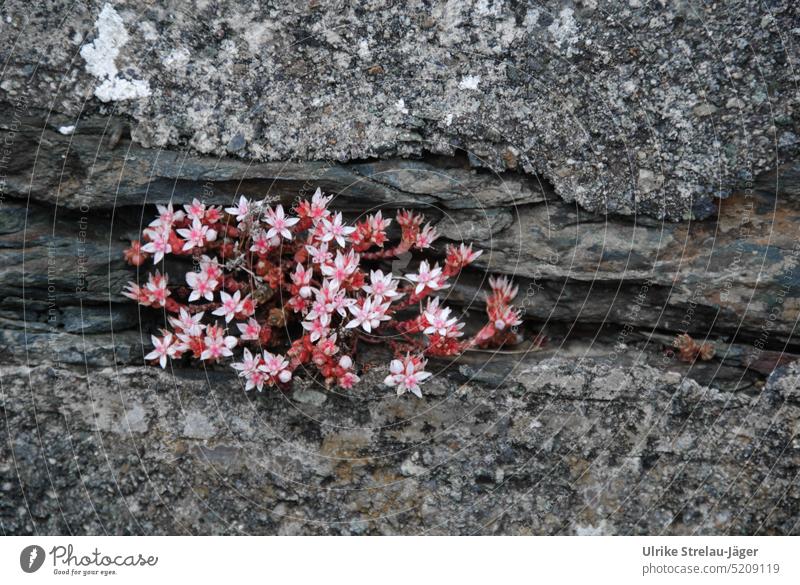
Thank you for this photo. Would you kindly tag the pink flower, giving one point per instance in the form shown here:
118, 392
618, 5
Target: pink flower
216, 344
318, 327
318, 308
250, 330
439, 323
277, 367
316, 209
247, 307
212, 215
163, 349
504, 291
328, 291
159, 244
427, 277
231, 304
249, 364
155, 292
197, 235
166, 217
368, 315
408, 220
195, 211
334, 230
302, 278
210, 268
432, 307
329, 299
426, 237
262, 243
188, 341
372, 230
279, 223
255, 379
327, 345
201, 285
136, 293
348, 379
461, 256
382, 286
298, 304
319, 254
187, 322
342, 267
156, 289
507, 317
433, 310
340, 303
241, 210
407, 374
319, 206
377, 223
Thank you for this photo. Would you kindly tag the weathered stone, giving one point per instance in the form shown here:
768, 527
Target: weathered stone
624, 451
734, 274
555, 136
575, 89
311, 397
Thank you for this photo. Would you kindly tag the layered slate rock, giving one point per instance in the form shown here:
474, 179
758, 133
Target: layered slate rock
731, 277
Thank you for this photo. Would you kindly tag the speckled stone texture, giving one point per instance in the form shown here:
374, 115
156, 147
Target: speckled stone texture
632, 165
519, 448
627, 107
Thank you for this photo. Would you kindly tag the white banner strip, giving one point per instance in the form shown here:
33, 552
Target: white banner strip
401, 560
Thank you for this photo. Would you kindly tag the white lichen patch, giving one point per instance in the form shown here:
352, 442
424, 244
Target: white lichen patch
565, 30
101, 54
591, 530
488, 8
531, 18
148, 30
469, 82
363, 49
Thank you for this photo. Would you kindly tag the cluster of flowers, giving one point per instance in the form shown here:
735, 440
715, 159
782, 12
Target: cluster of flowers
261, 270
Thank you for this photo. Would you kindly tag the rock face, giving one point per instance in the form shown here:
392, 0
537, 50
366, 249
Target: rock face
557, 137
600, 432
626, 107
519, 448
731, 276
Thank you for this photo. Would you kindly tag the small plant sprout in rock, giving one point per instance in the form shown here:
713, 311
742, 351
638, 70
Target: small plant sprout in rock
271, 290
689, 350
